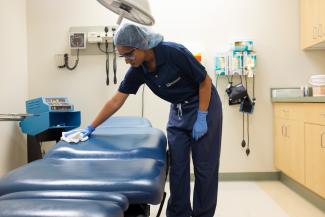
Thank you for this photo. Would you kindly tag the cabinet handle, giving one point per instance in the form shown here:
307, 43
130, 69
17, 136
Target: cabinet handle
321, 140
315, 32
286, 132
320, 30
282, 130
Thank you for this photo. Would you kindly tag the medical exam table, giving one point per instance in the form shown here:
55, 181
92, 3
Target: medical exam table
120, 171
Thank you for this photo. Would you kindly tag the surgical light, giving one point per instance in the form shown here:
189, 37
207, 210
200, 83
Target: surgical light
134, 10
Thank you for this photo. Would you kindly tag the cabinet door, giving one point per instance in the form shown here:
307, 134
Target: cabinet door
316, 29
294, 132
281, 145
310, 22
289, 148
322, 18
315, 158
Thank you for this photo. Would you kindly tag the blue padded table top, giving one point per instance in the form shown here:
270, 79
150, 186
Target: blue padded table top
140, 180
115, 198
115, 143
125, 121
56, 208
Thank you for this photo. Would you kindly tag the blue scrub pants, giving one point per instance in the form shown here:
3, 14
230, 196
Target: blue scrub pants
205, 156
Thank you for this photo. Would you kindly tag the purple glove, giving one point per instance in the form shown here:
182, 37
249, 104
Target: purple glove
200, 126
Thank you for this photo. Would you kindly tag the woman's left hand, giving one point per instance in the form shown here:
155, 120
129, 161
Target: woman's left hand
200, 127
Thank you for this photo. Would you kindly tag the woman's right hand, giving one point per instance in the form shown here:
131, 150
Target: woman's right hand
88, 130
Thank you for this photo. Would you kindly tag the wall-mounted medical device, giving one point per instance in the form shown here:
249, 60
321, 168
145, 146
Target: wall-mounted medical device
91, 40
77, 40
85, 37
101, 34
239, 61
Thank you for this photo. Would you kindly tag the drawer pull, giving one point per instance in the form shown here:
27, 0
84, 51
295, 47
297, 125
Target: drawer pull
321, 140
286, 132
320, 30
315, 32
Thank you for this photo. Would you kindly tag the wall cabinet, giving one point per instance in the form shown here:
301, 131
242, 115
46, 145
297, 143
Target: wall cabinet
299, 136
312, 23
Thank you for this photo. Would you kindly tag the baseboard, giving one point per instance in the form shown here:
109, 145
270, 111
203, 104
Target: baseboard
247, 176
313, 198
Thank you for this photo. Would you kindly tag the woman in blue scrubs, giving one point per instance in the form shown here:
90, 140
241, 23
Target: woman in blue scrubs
195, 119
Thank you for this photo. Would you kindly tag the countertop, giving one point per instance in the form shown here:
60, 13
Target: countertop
306, 99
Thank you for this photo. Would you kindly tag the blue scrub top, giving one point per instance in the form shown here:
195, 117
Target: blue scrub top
176, 79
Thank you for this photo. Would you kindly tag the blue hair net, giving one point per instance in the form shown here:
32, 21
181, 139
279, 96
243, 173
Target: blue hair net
131, 35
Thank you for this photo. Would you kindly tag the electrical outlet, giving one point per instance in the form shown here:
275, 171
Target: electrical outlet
59, 59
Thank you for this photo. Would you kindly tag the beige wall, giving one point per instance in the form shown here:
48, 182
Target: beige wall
207, 26
13, 82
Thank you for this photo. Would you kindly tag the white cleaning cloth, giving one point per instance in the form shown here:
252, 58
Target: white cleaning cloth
74, 136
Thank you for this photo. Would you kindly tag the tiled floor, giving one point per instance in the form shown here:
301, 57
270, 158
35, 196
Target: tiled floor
258, 199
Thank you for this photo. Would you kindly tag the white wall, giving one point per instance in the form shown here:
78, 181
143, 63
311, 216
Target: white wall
13, 82
207, 26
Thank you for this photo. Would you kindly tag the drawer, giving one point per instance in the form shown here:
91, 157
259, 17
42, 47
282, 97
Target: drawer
315, 113
292, 111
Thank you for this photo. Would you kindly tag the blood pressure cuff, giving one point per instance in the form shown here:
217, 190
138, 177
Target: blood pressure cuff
247, 105
236, 93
